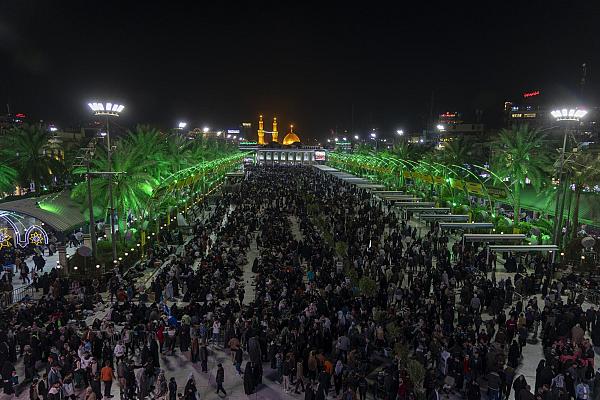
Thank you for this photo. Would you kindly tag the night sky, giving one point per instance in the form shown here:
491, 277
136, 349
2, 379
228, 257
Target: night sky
312, 64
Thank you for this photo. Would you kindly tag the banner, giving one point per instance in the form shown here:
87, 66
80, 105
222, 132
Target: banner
498, 193
475, 188
458, 184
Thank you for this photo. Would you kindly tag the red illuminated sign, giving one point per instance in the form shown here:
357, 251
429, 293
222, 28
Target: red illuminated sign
448, 115
531, 94
20, 115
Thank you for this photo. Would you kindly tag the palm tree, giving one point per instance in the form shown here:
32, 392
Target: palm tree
408, 151
457, 152
145, 141
583, 168
519, 157
28, 157
132, 185
8, 177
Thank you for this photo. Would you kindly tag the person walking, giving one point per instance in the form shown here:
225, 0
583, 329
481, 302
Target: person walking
172, 389
220, 379
204, 356
106, 376
239, 356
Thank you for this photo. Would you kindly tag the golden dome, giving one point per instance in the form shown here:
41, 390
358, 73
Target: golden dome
291, 138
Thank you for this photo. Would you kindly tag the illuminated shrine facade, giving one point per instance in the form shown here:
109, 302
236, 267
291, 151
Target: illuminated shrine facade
19, 231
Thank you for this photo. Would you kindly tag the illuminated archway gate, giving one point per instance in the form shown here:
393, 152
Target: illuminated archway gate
18, 231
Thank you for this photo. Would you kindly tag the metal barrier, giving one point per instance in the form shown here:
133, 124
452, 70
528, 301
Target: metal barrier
9, 298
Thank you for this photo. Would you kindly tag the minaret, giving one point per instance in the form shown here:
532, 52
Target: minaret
275, 133
261, 131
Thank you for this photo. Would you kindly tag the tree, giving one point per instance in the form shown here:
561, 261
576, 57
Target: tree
583, 168
132, 185
457, 152
518, 157
409, 151
8, 177
26, 147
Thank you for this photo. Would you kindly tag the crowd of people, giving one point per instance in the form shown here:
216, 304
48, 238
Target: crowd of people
348, 301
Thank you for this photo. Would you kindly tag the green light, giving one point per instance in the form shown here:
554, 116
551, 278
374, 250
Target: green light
49, 207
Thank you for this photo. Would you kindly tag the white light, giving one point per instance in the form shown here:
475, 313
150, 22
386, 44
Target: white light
400, 132
205, 129
103, 134
235, 136
228, 136
108, 106
336, 139
182, 125
97, 265
345, 139
219, 133
328, 140
571, 114
440, 127
121, 107
91, 105
421, 140
53, 129
100, 106
115, 107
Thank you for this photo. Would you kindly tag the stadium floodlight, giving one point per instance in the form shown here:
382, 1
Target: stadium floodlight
107, 108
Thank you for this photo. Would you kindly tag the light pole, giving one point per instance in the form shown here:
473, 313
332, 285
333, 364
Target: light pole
566, 116
374, 137
400, 133
109, 110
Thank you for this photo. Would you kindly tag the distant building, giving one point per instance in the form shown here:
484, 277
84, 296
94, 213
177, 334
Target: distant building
534, 110
450, 126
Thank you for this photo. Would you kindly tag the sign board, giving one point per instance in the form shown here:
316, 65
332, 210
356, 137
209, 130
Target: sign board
531, 94
319, 156
234, 131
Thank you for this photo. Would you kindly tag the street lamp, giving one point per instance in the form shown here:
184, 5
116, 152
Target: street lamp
108, 110
205, 129
356, 137
564, 115
400, 132
345, 139
182, 125
374, 137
